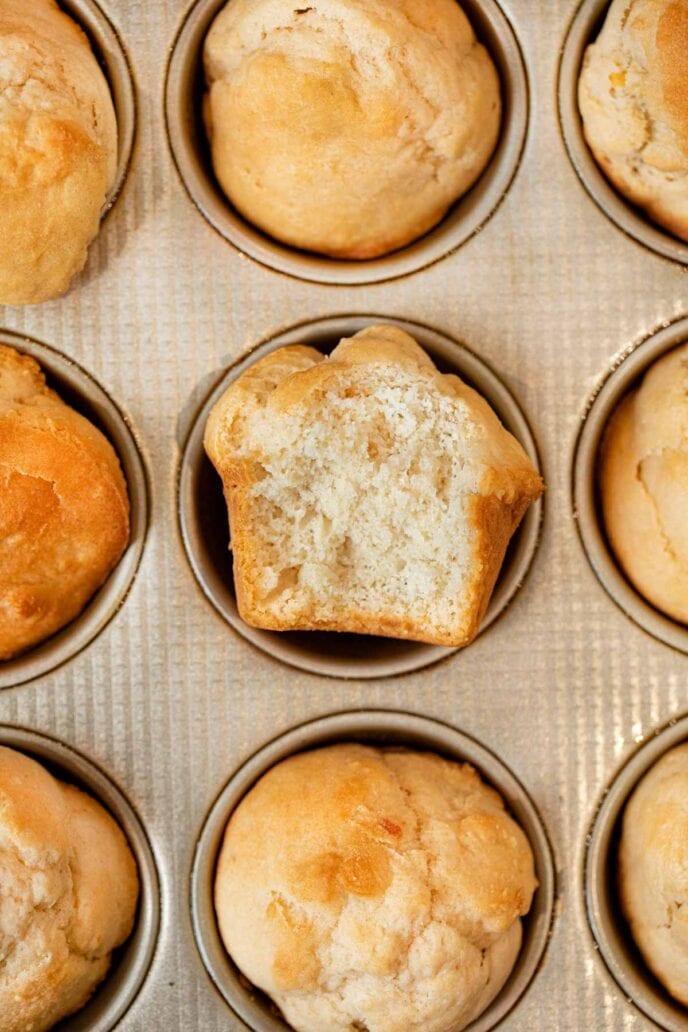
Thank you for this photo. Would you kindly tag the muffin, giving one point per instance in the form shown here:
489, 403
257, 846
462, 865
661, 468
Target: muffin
377, 889
653, 859
367, 492
58, 150
64, 507
634, 103
348, 127
643, 481
68, 895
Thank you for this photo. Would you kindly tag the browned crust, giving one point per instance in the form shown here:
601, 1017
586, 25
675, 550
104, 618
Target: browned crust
64, 508
495, 514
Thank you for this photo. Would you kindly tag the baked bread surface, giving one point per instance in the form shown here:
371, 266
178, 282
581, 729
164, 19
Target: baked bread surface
376, 889
64, 508
653, 859
367, 492
633, 96
58, 150
348, 127
68, 895
644, 484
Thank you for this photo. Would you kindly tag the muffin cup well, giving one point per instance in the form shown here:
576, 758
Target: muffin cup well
112, 58
583, 30
203, 516
586, 502
78, 389
607, 923
132, 960
380, 727
183, 95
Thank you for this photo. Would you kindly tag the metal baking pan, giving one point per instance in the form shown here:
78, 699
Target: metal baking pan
167, 700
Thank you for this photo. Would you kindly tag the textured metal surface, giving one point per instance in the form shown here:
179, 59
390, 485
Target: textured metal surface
169, 701
387, 729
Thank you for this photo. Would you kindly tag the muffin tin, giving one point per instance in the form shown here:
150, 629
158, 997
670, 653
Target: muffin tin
549, 295
203, 514
83, 393
130, 963
386, 728
583, 30
184, 90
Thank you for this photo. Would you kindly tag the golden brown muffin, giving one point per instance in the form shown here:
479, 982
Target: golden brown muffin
374, 888
64, 508
58, 150
68, 894
348, 127
653, 860
367, 492
644, 484
633, 95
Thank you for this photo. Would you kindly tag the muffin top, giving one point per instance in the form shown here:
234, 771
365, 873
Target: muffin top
374, 888
653, 860
58, 149
68, 893
64, 508
348, 127
633, 96
644, 484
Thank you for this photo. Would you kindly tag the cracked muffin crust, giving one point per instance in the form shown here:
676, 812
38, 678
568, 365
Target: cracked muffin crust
377, 889
64, 507
644, 484
68, 895
348, 127
58, 150
653, 859
633, 96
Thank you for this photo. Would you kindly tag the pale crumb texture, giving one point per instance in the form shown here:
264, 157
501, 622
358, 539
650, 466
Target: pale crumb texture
367, 492
68, 894
644, 484
58, 150
633, 96
64, 508
348, 127
653, 869
374, 889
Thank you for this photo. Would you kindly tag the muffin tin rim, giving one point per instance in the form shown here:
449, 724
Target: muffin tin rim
627, 217
527, 537
52, 653
253, 243
643, 990
91, 777
113, 59
374, 724
624, 375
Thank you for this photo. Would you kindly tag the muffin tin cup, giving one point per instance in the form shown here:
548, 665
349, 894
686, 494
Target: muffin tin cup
131, 962
111, 55
629, 218
79, 390
204, 530
183, 92
587, 511
380, 727
611, 933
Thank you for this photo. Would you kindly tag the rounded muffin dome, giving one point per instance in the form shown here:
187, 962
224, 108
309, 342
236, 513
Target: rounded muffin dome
634, 103
653, 858
378, 889
346, 127
644, 484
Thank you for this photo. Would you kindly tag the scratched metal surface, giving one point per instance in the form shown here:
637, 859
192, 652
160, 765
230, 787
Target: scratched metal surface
168, 700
